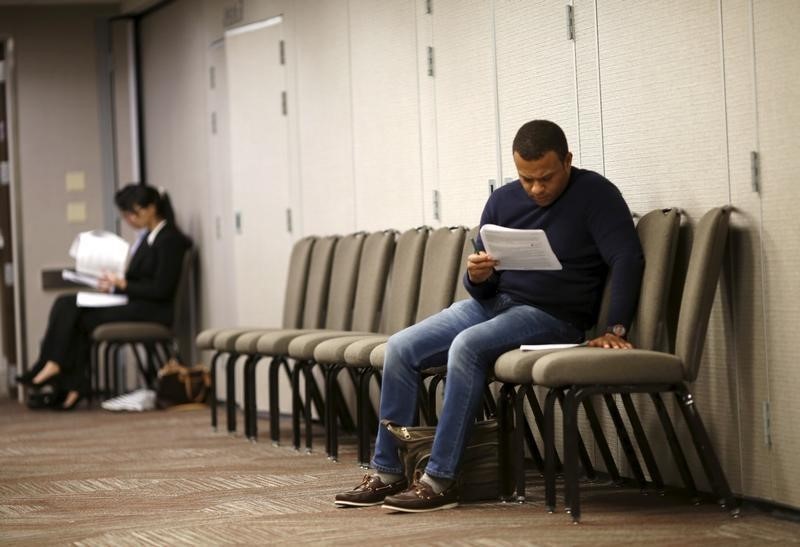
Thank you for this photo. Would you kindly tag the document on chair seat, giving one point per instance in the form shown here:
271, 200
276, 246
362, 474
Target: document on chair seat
100, 299
519, 249
538, 347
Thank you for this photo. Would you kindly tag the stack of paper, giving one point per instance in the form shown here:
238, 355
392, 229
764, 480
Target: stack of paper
519, 249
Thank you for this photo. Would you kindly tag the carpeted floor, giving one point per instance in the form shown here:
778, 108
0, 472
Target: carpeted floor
91, 477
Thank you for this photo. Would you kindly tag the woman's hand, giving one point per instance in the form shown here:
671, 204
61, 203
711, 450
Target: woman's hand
609, 340
109, 282
480, 267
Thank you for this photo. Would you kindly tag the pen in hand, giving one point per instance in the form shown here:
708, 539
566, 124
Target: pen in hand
475, 246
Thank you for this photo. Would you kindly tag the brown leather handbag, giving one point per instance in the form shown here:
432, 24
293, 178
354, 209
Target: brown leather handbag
181, 385
485, 466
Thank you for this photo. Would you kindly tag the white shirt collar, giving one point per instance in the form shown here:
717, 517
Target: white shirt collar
151, 237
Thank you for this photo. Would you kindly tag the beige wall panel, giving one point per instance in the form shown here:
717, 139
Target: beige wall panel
743, 280
664, 141
588, 150
535, 72
778, 89
427, 115
176, 126
58, 131
386, 123
465, 107
217, 283
259, 173
325, 117
125, 136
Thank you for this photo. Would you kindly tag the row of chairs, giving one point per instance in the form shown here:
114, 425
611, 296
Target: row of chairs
335, 320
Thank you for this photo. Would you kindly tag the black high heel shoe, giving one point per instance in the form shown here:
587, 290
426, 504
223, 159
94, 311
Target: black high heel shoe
26, 379
47, 400
60, 405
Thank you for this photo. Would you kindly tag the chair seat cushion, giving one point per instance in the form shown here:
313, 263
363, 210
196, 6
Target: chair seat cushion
357, 354
515, 366
225, 340
590, 366
131, 332
332, 351
205, 340
377, 355
248, 342
276, 342
302, 347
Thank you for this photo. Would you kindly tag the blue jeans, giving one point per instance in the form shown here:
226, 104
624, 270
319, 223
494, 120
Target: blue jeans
469, 335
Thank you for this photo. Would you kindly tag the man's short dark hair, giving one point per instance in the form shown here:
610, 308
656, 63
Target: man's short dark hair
538, 137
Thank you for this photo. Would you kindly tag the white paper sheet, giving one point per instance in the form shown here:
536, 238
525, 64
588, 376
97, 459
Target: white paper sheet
100, 300
537, 347
97, 252
83, 279
519, 249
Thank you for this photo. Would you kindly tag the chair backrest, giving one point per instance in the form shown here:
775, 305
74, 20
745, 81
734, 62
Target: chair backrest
702, 274
295, 295
319, 277
658, 234
344, 278
373, 271
184, 306
461, 292
439, 270
400, 302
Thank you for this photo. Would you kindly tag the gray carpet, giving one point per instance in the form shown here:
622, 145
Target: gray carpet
91, 477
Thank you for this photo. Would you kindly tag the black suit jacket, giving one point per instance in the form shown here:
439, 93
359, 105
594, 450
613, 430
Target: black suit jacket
152, 276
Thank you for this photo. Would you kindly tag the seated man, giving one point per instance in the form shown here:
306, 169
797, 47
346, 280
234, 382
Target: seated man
590, 229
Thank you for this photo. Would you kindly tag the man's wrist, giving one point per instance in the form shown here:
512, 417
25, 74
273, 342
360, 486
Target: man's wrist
617, 330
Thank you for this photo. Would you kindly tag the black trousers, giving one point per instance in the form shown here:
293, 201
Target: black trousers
67, 339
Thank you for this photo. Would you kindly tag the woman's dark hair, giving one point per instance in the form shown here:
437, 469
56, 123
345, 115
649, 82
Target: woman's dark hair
141, 195
537, 138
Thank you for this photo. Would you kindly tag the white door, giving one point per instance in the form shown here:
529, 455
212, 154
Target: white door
259, 171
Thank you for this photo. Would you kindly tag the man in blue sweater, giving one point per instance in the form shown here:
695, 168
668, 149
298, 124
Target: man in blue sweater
590, 229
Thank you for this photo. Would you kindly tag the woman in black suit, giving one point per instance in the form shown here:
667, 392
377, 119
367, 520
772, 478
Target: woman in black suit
150, 281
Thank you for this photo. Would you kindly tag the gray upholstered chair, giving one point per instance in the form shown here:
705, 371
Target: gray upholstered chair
584, 372
370, 279
399, 305
436, 289
218, 339
159, 341
358, 273
658, 234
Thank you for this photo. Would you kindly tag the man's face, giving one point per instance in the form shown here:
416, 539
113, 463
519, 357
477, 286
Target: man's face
544, 179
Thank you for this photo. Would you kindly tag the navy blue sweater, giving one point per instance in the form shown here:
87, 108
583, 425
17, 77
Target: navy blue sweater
590, 230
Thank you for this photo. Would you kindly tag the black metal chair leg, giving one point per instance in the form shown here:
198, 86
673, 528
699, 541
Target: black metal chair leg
297, 404
702, 443
675, 447
309, 385
550, 450
644, 445
571, 485
625, 440
213, 388
248, 383
586, 462
600, 440
538, 417
110, 348
230, 391
274, 401
364, 409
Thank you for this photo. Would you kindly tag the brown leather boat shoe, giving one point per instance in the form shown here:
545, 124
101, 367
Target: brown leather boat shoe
371, 491
420, 498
